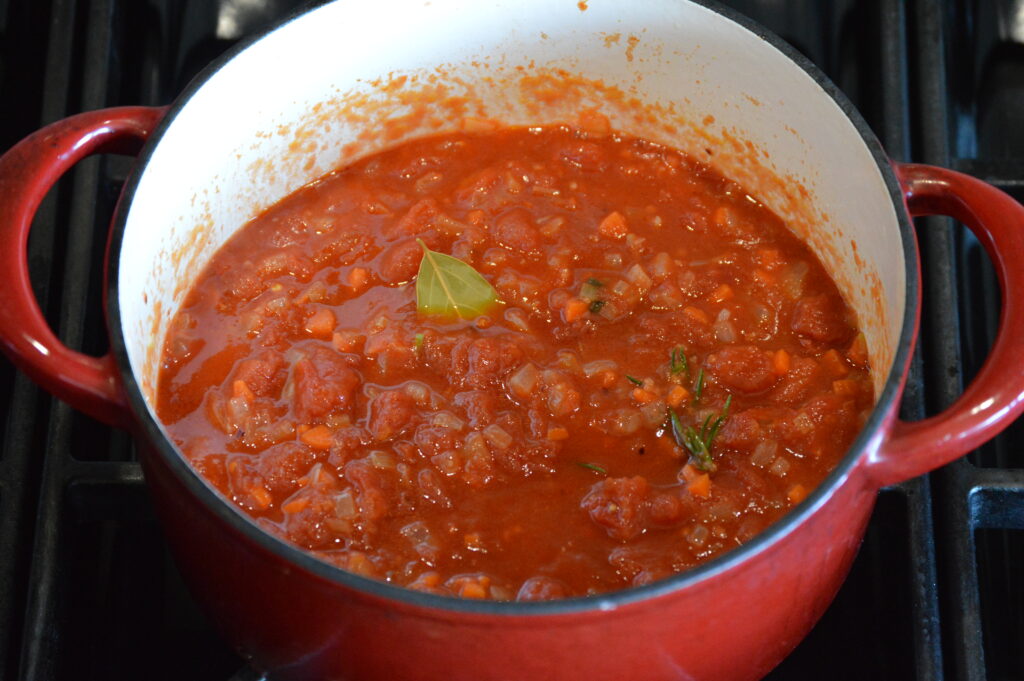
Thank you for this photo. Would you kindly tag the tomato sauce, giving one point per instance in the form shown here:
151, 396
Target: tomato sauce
668, 372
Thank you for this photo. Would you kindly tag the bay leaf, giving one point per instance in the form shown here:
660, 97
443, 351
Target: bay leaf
448, 287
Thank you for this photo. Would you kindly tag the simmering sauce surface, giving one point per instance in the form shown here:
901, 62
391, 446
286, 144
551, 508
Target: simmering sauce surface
530, 452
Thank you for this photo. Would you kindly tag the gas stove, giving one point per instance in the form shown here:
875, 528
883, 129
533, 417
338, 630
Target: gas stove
87, 588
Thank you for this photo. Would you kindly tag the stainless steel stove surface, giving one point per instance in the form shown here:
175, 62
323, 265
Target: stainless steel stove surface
87, 589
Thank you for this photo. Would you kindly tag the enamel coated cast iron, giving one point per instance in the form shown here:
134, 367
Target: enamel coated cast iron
327, 85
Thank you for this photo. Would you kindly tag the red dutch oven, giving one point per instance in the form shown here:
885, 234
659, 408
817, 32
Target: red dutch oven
347, 78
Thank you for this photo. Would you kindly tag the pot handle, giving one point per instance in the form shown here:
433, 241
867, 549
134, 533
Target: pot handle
27, 172
996, 396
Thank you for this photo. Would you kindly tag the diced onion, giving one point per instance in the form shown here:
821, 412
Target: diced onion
610, 311
237, 410
416, 532
344, 505
446, 419
448, 462
697, 535
591, 369
666, 296
523, 382
419, 392
381, 459
803, 423
626, 421
764, 453
622, 288
476, 446
725, 332
570, 361
639, 277
780, 466
498, 437
793, 279
661, 266
517, 318
653, 413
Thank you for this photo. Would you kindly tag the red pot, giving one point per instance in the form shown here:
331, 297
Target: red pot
297, 102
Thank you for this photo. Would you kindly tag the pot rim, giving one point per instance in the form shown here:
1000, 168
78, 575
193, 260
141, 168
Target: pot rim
224, 511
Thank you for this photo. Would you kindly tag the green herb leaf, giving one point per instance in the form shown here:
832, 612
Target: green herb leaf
590, 289
698, 442
448, 287
698, 389
595, 306
634, 381
678, 362
591, 466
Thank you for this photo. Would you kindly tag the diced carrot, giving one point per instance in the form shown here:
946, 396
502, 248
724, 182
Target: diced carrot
428, 580
845, 387
261, 495
700, 486
473, 590
295, 505
302, 428
697, 314
690, 472
575, 308
614, 226
609, 378
321, 324
721, 216
557, 433
797, 493
643, 395
677, 395
240, 389
834, 363
318, 437
858, 352
476, 217
764, 276
781, 362
722, 294
357, 278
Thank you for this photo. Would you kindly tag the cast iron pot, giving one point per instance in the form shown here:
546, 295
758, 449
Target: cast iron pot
350, 77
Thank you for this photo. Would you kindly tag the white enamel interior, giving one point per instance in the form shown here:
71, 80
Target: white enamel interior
243, 140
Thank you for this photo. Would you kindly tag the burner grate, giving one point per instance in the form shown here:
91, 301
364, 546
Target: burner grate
87, 590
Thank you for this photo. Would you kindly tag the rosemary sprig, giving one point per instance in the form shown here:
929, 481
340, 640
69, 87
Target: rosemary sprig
592, 467
698, 442
698, 389
634, 380
678, 363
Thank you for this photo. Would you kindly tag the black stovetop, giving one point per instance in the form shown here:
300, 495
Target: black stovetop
87, 589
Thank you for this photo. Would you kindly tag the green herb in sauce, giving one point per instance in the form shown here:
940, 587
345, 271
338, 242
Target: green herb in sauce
448, 287
698, 442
